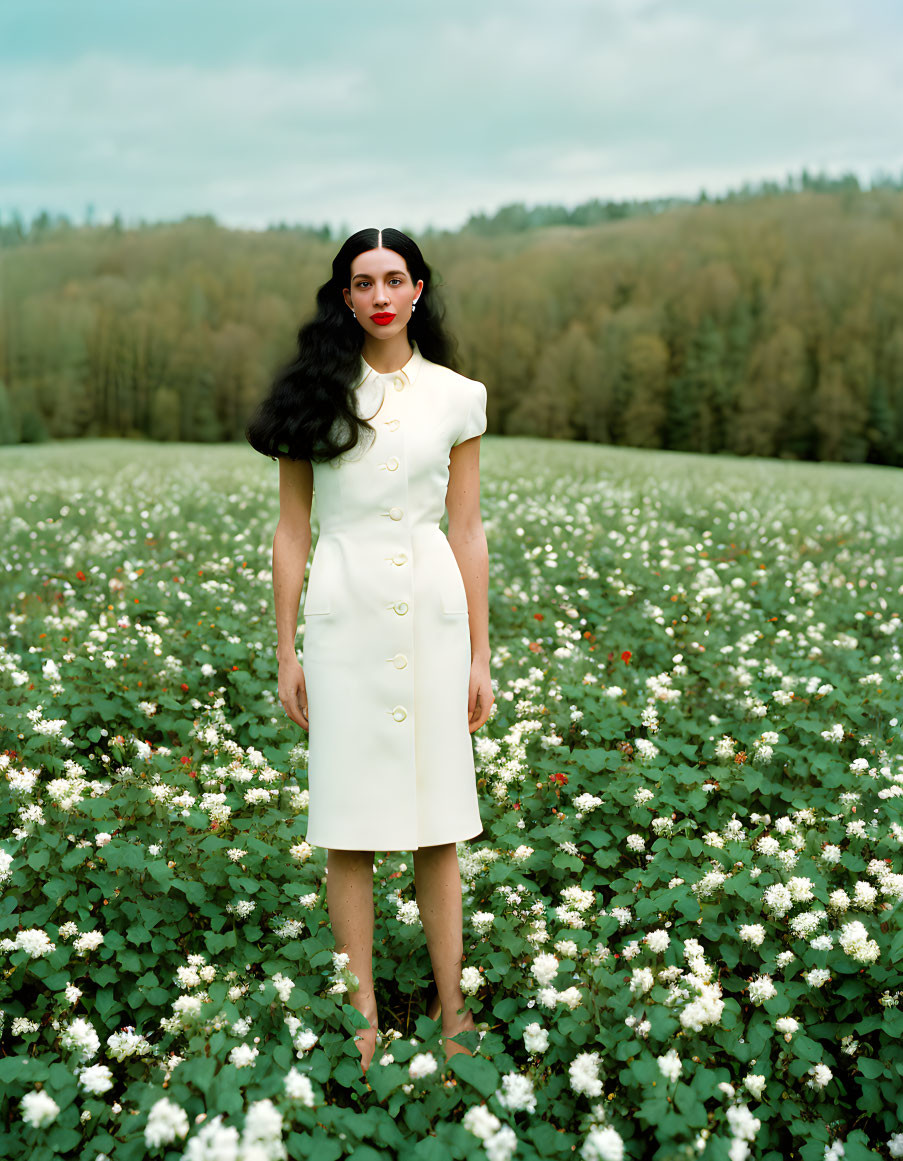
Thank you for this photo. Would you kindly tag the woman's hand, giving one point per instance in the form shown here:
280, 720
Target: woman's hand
481, 698
293, 690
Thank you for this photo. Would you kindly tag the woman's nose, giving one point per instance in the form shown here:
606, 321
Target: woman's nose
382, 296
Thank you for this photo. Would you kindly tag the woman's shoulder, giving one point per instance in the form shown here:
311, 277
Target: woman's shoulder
439, 373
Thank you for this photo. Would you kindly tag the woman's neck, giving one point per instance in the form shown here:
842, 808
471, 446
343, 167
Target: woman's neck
389, 355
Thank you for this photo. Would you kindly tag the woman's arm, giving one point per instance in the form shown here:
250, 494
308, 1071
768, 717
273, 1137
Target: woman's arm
291, 548
467, 538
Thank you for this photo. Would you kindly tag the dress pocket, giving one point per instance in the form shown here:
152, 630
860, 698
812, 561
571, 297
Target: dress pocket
452, 593
318, 601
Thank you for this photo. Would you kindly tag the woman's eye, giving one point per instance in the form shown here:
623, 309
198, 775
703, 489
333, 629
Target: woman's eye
395, 280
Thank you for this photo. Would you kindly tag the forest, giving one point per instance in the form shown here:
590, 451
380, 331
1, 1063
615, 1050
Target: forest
768, 323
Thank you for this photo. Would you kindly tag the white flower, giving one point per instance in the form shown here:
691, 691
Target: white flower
571, 997
670, 1064
544, 968
165, 1122
81, 1037
816, 977
482, 921
96, 1078
471, 981
577, 898
602, 1144
36, 942
214, 1142
536, 1038
298, 1088
283, 986
262, 1135
761, 989
778, 900
743, 1124
641, 980
854, 939
753, 933
409, 912
658, 940
39, 1109
755, 1084
243, 1056
584, 1074
516, 1093
88, 942
480, 1121
819, 1076
501, 1145
422, 1064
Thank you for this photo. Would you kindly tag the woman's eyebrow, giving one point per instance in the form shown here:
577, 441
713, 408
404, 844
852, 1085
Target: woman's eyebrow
362, 274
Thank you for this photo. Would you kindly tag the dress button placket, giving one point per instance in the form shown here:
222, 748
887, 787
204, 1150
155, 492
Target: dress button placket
398, 562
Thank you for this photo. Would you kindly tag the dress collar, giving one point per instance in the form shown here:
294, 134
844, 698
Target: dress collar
410, 370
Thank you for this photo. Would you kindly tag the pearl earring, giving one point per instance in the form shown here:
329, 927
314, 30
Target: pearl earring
413, 306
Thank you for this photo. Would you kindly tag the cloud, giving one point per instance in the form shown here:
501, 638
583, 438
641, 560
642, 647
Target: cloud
344, 115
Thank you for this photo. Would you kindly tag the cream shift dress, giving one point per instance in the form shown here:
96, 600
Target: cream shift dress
386, 641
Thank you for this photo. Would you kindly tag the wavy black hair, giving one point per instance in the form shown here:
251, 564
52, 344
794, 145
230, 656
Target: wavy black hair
309, 413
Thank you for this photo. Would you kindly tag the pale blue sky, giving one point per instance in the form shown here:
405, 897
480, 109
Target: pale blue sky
415, 113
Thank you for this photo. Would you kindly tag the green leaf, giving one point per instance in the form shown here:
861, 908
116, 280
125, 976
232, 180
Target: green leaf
476, 1071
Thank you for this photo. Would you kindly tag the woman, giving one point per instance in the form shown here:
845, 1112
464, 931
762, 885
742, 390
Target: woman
372, 417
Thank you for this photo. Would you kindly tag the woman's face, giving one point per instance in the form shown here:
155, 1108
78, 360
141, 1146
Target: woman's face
382, 292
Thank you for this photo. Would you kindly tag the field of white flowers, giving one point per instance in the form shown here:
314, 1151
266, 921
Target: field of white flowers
683, 924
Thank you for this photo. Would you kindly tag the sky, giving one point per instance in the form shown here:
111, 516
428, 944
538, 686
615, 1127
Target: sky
415, 114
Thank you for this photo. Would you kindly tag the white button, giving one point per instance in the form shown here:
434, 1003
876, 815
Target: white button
392, 423
396, 513
392, 463
399, 661
401, 607
400, 558
399, 713
399, 384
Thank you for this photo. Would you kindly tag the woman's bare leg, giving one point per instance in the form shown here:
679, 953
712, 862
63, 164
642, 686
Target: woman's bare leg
349, 901
437, 881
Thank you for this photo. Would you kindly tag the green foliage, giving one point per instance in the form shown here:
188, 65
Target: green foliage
725, 327
696, 704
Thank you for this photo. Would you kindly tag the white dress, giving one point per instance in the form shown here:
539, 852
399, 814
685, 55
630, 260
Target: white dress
386, 642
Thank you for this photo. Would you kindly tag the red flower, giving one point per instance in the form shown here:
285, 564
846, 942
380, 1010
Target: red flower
81, 575
184, 687
538, 617
625, 656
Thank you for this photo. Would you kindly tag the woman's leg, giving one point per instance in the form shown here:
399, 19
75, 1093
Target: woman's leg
349, 901
437, 882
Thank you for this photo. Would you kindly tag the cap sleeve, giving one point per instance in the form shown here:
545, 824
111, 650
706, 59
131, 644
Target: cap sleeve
475, 419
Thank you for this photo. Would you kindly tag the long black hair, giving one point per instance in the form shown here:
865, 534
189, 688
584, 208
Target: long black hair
309, 413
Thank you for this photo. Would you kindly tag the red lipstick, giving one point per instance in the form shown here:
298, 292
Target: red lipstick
382, 320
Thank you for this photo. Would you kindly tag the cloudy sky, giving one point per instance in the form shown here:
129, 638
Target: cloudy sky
410, 114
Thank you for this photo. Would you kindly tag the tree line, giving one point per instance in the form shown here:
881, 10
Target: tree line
766, 323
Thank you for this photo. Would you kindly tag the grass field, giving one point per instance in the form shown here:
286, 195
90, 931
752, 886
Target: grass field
682, 922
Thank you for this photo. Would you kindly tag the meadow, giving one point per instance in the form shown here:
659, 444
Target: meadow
683, 924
